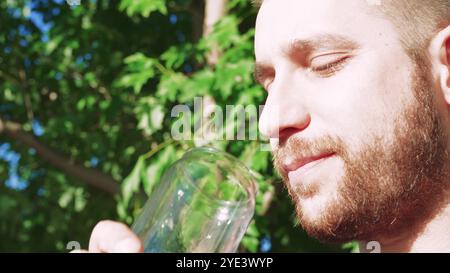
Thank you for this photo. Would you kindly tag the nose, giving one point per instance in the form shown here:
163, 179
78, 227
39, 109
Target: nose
284, 113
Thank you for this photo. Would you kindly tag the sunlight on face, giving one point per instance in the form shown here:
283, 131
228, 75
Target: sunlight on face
352, 108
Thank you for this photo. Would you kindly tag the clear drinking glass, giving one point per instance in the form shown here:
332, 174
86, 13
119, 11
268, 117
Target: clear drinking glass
204, 203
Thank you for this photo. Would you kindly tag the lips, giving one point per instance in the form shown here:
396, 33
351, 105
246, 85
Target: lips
299, 163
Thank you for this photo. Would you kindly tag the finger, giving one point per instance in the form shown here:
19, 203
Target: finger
109, 236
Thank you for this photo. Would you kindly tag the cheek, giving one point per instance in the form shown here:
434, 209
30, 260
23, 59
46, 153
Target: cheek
364, 100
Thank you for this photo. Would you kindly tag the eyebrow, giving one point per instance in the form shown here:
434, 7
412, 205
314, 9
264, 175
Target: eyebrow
300, 50
321, 43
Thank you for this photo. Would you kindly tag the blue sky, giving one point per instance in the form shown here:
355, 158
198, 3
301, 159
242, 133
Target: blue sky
14, 181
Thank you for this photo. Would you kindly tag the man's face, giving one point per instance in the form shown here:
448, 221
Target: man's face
355, 123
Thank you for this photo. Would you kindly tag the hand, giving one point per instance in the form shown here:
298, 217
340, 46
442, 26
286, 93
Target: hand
110, 237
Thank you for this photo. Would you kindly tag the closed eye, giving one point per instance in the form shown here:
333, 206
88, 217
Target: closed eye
264, 75
328, 65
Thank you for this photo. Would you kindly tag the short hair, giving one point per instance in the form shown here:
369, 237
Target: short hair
416, 20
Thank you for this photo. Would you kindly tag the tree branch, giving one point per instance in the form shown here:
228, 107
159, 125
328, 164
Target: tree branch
214, 11
92, 177
9, 77
25, 95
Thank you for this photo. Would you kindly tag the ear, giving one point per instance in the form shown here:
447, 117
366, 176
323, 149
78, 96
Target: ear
440, 55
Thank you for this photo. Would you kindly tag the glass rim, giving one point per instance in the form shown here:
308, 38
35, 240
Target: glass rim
247, 175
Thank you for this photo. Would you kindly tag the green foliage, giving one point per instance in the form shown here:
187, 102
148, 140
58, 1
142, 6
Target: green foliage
143, 7
102, 81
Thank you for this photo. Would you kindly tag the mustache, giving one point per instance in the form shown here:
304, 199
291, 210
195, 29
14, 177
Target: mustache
296, 148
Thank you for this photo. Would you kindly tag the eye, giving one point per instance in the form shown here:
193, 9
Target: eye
267, 82
328, 65
264, 75
267, 79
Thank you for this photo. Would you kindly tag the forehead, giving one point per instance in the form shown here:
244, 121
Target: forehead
280, 22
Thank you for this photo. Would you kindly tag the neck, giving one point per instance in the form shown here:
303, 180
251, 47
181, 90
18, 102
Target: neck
434, 236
